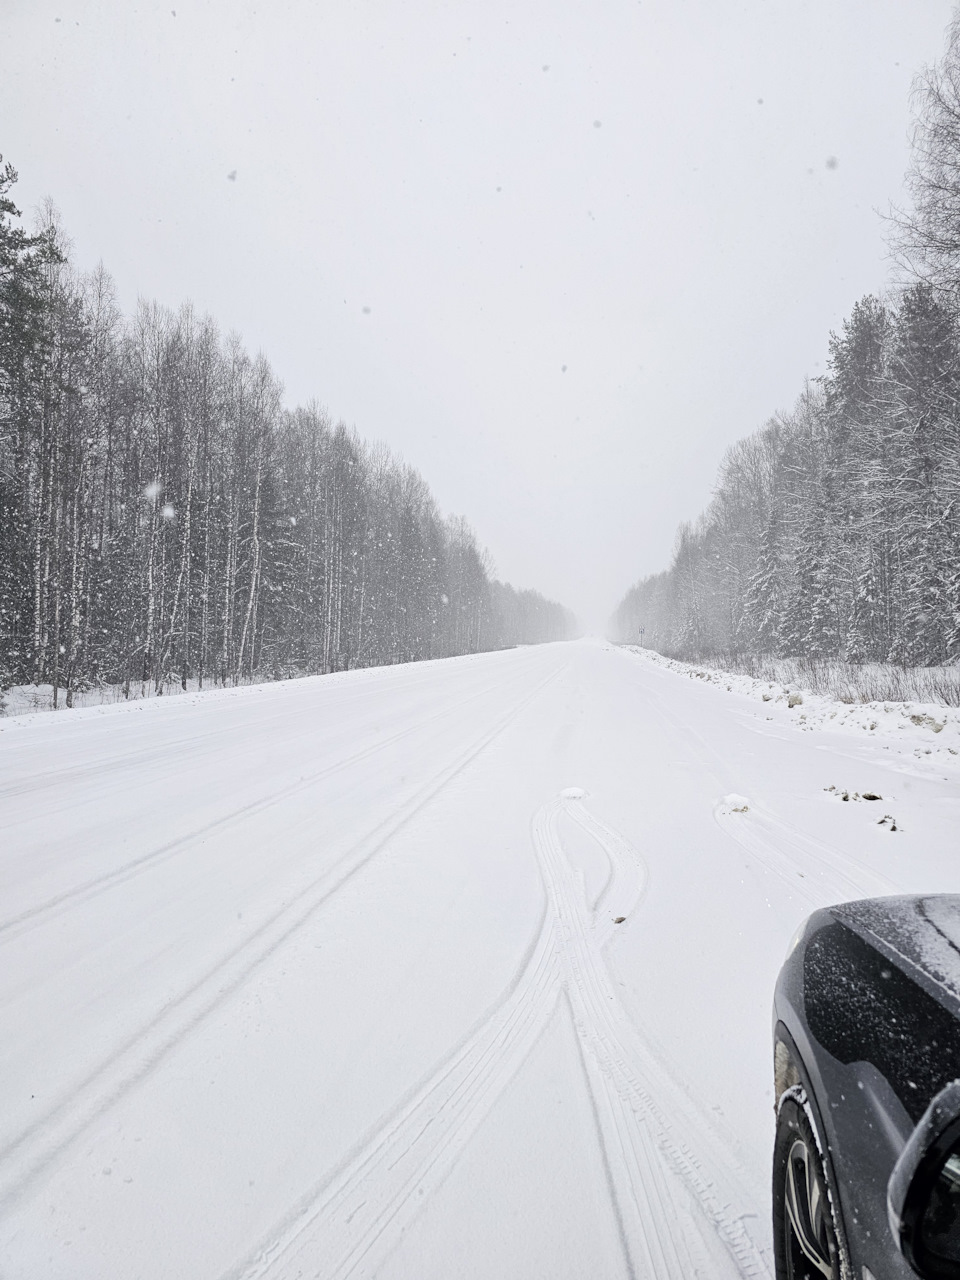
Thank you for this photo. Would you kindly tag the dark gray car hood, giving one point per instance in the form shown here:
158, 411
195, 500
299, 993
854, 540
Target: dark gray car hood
922, 931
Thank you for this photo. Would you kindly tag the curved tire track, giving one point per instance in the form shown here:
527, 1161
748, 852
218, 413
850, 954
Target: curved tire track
664, 1165
672, 1163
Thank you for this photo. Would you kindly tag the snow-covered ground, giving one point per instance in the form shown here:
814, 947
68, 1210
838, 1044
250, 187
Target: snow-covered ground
324, 978
21, 699
926, 728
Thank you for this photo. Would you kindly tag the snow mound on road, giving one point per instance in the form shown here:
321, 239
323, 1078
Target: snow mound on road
733, 804
572, 793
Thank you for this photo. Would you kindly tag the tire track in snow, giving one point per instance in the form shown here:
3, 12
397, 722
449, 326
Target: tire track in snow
14, 926
627, 881
122, 762
770, 840
348, 1223
38, 1146
672, 1163
642, 1199
136, 761
818, 873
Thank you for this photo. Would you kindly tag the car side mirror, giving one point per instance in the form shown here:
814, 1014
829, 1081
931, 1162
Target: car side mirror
923, 1194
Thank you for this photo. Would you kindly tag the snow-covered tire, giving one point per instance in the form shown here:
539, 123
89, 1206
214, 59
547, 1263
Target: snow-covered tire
808, 1240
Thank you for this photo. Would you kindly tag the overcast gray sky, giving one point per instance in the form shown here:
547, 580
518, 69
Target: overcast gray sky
558, 255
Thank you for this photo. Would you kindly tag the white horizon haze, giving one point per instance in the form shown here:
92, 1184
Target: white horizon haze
559, 257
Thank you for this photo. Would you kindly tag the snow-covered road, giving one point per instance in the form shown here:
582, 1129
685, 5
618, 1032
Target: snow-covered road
323, 978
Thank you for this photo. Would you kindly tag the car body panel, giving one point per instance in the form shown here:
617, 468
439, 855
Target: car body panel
867, 1007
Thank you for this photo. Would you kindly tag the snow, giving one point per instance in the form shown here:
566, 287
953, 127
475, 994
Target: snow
323, 977
23, 699
930, 728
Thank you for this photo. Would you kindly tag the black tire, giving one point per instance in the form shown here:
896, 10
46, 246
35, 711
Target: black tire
808, 1241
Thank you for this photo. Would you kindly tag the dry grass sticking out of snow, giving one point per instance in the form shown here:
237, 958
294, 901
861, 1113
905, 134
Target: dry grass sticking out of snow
829, 696
853, 682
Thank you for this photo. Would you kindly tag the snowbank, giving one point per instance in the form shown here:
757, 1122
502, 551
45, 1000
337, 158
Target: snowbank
923, 728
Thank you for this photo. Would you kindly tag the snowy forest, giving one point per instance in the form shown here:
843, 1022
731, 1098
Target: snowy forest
164, 518
834, 532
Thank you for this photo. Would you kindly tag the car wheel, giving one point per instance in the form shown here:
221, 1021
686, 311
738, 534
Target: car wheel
808, 1239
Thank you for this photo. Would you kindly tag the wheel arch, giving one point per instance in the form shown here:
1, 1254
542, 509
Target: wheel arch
792, 1080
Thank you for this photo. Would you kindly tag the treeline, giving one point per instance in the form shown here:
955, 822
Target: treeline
164, 517
834, 532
